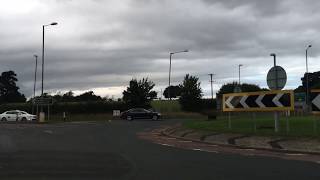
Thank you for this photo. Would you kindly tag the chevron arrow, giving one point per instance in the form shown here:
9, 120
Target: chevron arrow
243, 101
259, 99
228, 102
316, 101
276, 99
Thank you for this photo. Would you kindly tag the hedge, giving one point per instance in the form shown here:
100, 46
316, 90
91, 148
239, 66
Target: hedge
70, 107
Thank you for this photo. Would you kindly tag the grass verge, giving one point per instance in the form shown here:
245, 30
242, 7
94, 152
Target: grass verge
302, 126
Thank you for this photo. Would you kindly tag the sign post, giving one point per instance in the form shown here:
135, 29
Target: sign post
315, 107
276, 80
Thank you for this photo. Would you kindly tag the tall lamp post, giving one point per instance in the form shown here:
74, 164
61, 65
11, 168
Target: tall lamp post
307, 78
172, 53
43, 26
35, 76
239, 72
35, 81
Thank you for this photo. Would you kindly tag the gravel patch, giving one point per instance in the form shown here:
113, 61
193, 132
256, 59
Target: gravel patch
221, 138
308, 145
255, 141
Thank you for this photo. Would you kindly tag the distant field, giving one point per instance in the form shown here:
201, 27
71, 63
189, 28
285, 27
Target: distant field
172, 110
304, 126
166, 106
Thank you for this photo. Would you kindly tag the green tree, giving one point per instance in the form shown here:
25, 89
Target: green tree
88, 96
191, 94
9, 91
229, 88
175, 91
139, 93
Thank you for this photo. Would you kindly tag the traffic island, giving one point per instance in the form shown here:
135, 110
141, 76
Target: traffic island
277, 144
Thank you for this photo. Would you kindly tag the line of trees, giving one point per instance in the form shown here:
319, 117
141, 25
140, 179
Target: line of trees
140, 93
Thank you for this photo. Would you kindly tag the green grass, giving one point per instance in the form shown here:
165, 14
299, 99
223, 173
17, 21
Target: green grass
299, 126
165, 106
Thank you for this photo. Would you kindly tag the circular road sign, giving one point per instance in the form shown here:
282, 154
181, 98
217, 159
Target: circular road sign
276, 78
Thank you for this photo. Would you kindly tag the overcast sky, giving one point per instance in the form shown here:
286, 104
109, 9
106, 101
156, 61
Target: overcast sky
101, 45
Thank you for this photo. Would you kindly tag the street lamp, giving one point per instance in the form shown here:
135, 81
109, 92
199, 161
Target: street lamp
172, 53
307, 77
43, 26
35, 76
35, 80
239, 72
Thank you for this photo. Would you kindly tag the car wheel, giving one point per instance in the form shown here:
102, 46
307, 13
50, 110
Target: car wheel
154, 118
129, 118
24, 119
4, 119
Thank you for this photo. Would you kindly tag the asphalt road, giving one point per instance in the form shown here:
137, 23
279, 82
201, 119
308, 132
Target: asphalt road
112, 150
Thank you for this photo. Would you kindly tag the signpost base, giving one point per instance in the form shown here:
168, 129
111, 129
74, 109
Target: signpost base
276, 122
41, 117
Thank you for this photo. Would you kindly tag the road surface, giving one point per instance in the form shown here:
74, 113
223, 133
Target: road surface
112, 150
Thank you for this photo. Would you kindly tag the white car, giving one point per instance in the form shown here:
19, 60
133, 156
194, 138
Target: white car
16, 115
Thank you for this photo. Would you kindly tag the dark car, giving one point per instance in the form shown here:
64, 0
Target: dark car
140, 113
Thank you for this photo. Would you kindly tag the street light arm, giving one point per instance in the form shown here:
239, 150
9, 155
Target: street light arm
179, 52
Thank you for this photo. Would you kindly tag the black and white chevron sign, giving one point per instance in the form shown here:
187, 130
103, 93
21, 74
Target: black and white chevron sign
315, 100
259, 101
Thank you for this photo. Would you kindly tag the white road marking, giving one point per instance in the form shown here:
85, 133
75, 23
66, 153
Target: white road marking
185, 141
167, 145
48, 131
197, 149
293, 154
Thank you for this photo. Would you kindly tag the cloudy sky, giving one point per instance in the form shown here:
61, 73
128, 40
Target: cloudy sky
100, 45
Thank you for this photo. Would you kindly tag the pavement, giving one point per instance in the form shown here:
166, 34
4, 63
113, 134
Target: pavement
127, 150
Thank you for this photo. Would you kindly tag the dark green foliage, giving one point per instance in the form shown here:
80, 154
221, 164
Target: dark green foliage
69, 97
139, 93
175, 91
229, 88
8, 88
88, 96
191, 94
209, 104
71, 107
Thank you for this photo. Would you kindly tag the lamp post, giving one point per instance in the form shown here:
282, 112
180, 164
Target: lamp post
43, 26
274, 65
35, 81
307, 78
239, 72
35, 76
172, 53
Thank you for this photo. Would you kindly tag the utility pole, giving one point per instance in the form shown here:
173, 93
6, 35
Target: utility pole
211, 81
